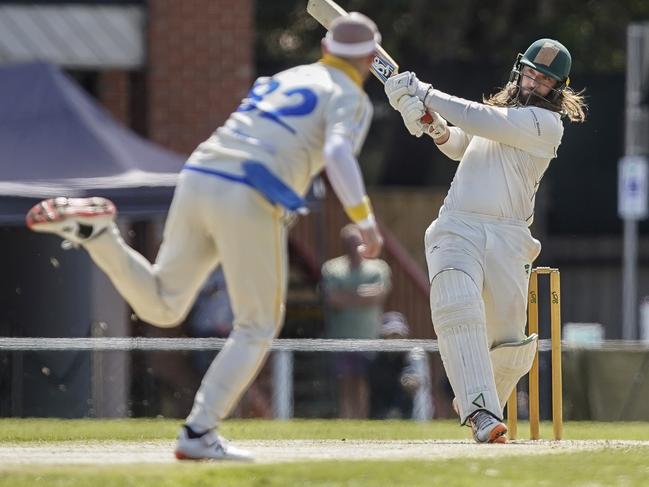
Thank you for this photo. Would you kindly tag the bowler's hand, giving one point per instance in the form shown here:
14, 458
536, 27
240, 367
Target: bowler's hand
372, 242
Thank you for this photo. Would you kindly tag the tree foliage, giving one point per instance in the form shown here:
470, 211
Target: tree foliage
420, 32
467, 47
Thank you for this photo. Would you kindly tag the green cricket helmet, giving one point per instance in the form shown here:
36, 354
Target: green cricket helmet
549, 57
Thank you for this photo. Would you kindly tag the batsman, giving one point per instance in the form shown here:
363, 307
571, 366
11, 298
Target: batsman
231, 206
480, 250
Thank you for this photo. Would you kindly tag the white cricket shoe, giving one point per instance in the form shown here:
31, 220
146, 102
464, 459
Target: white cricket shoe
210, 446
76, 220
486, 428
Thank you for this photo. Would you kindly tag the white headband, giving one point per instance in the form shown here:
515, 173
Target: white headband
355, 49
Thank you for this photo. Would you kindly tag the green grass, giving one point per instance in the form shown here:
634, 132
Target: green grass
17, 430
612, 467
593, 469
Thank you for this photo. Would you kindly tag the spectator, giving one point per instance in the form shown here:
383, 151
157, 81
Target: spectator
211, 314
354, 290
393, 379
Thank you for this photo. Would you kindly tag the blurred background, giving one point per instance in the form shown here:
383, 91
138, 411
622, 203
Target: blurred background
109, 96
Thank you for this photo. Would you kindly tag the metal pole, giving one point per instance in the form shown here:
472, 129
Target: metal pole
636, 143
629, 280
283, 384
422, 409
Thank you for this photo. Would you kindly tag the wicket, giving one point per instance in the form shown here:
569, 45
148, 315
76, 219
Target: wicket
555, 337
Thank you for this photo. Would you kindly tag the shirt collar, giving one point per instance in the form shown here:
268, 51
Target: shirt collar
344, 66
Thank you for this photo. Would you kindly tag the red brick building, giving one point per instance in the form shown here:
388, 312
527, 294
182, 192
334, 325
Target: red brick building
170, 69
198, 65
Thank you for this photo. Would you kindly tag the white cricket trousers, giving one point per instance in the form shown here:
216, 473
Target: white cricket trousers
210, 221
479, 269
497, 253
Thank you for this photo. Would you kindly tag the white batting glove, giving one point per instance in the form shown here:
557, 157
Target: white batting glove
396, 87
418, 88
438, 127
405, 83
412, 109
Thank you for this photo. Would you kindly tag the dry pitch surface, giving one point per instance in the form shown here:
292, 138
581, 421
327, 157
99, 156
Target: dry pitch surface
274, 451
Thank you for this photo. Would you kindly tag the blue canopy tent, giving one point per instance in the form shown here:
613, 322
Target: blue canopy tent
56, 140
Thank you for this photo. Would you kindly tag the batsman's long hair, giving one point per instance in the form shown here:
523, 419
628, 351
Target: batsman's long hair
569, 103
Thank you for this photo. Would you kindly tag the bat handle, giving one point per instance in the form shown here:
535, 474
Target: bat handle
427, 119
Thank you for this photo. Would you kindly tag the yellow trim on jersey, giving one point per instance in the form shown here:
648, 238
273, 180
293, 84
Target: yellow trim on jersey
344, 66
279, 267
361, 211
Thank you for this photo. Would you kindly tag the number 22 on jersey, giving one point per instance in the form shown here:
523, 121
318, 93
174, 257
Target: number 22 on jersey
294, 102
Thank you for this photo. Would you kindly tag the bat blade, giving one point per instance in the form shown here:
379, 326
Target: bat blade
325, 12
383, 66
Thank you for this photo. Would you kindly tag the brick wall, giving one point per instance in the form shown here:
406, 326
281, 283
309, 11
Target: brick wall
200, 64
114, 94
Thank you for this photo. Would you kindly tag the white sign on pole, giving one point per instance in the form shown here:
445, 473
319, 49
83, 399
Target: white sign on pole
632, 188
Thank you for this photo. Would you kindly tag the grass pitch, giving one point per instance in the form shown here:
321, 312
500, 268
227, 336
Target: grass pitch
607, 465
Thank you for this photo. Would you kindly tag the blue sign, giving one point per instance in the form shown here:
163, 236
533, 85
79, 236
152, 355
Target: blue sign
632, 188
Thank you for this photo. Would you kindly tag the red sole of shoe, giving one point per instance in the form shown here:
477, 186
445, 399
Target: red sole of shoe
45, 212
182, 456
497, 435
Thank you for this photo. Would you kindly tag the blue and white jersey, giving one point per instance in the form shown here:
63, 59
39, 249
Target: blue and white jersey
284, 121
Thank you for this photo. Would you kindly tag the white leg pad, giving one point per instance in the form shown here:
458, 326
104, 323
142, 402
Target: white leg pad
510, 362
459, 320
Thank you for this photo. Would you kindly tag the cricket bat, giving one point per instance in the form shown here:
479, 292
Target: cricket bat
326, 11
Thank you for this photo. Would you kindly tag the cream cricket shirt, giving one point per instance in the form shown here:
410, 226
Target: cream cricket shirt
284, 121
503, 154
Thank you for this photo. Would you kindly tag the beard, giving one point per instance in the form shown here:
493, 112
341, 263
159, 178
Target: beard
529, 97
